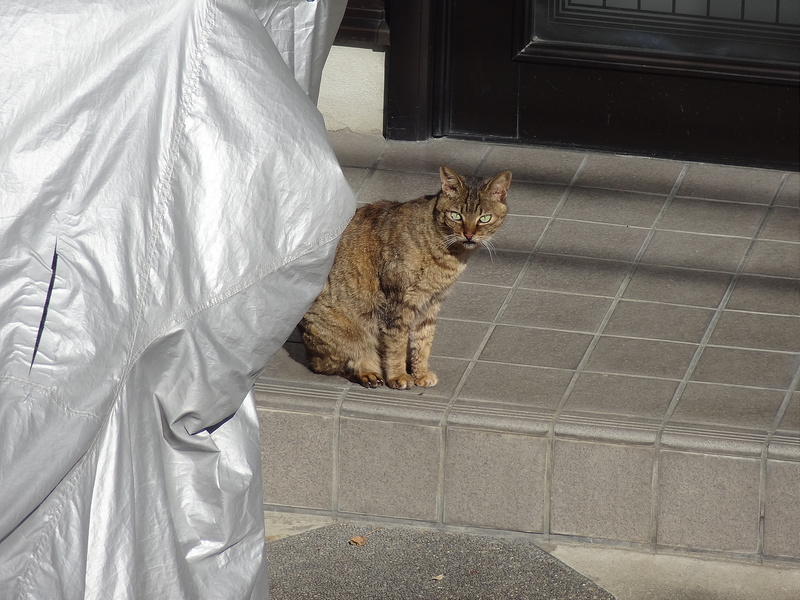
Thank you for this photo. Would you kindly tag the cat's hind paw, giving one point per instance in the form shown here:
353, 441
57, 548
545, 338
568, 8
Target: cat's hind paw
369, 379
403, 382
428, 379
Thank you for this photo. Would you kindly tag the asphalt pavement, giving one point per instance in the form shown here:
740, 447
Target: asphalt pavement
355, 561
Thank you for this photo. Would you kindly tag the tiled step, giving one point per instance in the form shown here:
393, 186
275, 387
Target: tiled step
333, 448
623, 367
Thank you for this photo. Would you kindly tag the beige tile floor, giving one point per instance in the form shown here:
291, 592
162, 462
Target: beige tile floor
624, 366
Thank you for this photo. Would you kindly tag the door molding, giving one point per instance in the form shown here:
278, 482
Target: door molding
582, 33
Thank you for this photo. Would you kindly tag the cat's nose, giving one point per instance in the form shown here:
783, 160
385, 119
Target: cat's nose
469, 235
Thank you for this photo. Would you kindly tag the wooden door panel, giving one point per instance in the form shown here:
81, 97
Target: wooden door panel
681, 94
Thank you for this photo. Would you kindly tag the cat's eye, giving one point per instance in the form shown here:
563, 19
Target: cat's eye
455, 216
485, 218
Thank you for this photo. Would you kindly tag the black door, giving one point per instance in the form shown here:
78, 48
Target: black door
712, 80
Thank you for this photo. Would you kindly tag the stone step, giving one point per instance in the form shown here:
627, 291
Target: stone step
332, 448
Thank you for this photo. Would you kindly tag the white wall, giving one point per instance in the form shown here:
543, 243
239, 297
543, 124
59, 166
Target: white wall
351, 93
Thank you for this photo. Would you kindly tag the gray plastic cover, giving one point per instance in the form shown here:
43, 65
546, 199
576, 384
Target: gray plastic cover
169, 207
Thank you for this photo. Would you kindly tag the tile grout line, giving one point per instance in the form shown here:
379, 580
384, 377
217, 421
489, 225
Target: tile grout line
596, 340
631, 336
336, 438
703, 344
372, 169
482, 160
764, 461
473, 361
376, 164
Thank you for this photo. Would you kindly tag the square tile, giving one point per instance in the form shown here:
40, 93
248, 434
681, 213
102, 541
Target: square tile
601, 491
355, 177
791, 418
297, 459
745, 367
781, 517
723, 218
753, 330
355, 150
534, 199
428, 156
728, 405
498, 267
473, 302
519, 233
596, 240
401, 187
555, 310
543, 165
790, 192
536, 347
709, 502
621, 395
630, 173
679, 286
783, 224
628, 356
576, 274
516, 384
766, 294
388, 469
494, 480
737, 184
612, 206
695, 251
781, 259
458, 339
659, 321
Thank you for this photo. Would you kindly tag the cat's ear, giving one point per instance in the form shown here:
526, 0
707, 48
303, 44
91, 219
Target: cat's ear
497, 187
451, 182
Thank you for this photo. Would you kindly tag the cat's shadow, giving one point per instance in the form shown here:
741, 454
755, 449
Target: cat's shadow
290, 364
295, 348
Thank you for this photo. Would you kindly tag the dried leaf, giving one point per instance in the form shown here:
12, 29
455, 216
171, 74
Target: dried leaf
358, 540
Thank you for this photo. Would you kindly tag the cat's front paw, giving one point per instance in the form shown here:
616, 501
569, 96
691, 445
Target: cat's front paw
369, 379
403, 382
428, 379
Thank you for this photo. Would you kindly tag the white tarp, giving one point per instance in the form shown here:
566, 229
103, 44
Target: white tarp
169, 207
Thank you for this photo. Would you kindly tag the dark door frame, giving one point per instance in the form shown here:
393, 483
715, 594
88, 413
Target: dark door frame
409, 70
419, 89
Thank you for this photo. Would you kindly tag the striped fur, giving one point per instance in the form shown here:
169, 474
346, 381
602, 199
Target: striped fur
375, 319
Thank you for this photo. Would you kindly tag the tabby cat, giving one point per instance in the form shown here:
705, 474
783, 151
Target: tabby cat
375, 318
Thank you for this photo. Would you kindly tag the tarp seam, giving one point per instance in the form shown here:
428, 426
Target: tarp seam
54, 397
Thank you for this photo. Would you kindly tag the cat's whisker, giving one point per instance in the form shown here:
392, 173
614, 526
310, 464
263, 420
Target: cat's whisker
450, 239
489, 245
